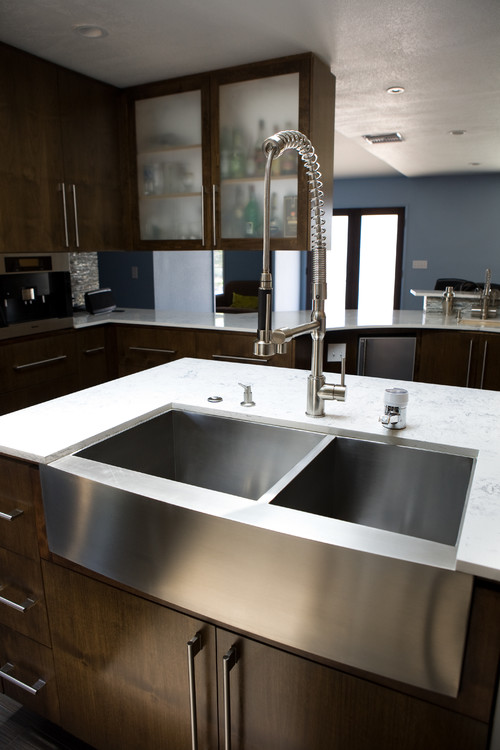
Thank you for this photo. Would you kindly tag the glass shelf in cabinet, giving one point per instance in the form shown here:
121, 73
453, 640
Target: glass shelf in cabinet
168, 149
239, 180
166, 196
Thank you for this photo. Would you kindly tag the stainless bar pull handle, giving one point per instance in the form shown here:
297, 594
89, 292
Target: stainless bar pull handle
485, 353
150, 349
13, 514
5, 672
40, 362
232, 358
469, 364
14, 605
194, 646
362, 356
214, 215
202, 216
95, 350
75, 213
62, 188
228, 662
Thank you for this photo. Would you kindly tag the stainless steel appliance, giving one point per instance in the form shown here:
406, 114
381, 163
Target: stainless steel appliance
35, 293
387, 357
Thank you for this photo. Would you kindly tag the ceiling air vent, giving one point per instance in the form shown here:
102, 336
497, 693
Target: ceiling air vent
384, 138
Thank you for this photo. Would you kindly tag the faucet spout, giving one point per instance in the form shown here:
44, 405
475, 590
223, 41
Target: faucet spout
271, 342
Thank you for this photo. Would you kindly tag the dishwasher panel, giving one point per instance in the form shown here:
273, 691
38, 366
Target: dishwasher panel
387, 357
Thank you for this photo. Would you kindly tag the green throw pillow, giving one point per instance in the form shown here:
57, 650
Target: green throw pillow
243, 300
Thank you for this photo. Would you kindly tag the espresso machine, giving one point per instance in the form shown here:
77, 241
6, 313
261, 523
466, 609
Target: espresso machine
35, 293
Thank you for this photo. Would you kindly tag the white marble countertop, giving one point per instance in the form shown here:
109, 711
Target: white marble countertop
247, 322
463, 419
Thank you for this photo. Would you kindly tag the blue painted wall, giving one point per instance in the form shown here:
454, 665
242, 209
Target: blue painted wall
115, 271
452, 222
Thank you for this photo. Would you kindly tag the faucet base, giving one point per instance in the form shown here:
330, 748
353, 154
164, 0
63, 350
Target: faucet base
315, 405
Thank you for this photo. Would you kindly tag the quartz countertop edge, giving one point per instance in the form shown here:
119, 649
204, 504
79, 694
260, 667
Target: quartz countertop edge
247, 322
463, 420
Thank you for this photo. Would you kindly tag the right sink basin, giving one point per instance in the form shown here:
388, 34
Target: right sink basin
413, 491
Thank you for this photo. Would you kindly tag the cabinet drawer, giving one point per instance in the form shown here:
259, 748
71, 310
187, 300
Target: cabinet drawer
32, 665
17, 514
93, 366
29, 363
22, 605
238, 347
140, 348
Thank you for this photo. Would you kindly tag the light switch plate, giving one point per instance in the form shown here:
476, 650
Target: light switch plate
419, 264
335, 352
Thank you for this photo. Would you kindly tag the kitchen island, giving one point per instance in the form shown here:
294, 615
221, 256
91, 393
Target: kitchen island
440, 418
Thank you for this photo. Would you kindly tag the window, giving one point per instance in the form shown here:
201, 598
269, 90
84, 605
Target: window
365, 264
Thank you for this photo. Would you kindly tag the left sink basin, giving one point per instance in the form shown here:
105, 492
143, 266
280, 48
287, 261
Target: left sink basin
218, 453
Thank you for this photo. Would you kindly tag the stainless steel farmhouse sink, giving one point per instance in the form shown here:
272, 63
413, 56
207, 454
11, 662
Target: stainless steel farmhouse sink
228, 455
407, 490
336, 547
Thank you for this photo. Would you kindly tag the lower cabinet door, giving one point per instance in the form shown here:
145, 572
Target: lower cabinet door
122, 667
273, 700
27, 673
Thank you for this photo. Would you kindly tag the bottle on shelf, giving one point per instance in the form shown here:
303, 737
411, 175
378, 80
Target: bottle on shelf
276, 165
290, 204
259, 156
237, 164
251, 215
274, 222
238, 222
289, 157
225, 154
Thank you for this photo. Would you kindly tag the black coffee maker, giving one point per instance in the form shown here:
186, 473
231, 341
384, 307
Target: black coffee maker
34, 288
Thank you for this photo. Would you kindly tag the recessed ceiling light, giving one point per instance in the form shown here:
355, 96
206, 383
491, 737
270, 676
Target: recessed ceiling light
457, 132
395, 90
90, 32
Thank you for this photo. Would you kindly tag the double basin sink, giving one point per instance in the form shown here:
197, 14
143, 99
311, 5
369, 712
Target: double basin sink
251, 525
407, 490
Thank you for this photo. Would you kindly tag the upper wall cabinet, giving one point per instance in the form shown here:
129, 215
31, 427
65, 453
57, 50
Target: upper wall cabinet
171, 164
197, 160
90, 114
60, 185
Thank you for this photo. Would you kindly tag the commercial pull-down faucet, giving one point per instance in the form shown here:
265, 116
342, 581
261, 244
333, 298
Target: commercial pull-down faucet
271, 342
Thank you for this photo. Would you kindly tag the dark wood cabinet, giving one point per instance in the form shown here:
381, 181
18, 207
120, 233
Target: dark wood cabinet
90, 134
462, 358
192, 147
31, 166
113, 649
26, 664
95, 349
37, 369
238, 347
279, 701
142, 347
122, 669
60, 180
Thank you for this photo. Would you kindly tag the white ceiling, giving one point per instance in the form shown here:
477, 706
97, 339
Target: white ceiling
446, 53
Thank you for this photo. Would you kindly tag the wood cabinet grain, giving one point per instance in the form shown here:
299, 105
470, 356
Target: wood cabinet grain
121, 665
60, 173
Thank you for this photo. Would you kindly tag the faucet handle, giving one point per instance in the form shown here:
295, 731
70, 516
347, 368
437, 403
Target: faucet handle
247, 395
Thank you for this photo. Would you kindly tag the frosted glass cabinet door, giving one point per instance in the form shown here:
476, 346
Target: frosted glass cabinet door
249, 112
169, 167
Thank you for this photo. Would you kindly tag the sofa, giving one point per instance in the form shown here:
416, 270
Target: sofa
238, 297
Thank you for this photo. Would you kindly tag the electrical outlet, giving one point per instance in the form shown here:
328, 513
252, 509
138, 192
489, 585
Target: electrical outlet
335, 352
419, 264
135, 272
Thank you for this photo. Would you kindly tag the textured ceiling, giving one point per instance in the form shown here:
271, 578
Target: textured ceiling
446, 53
